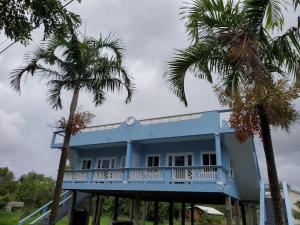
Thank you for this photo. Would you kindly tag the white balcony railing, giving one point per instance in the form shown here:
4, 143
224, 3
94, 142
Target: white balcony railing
163, 174
108, 175
195, 174
76, 175
146, 174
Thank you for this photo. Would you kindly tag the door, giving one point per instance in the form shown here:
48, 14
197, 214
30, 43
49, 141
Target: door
181, 160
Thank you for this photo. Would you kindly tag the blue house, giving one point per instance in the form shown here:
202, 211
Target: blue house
191, 159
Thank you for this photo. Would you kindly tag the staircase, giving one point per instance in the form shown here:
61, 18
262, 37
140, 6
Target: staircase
41, 216
267, 216
270, 217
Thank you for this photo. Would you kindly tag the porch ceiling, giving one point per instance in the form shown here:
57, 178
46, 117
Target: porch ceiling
188, 197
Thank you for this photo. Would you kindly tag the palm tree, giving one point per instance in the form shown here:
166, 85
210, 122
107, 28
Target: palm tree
233, 39
95, 66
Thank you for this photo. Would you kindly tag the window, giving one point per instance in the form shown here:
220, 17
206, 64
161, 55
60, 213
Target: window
209, 159
106, 163
86, 164
123, 162
153, 161
180, 159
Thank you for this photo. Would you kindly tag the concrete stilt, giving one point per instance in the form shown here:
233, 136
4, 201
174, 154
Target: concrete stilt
98, 210
228, 212
89, 209
136, 211
183, 213
116, 207
243, 211
71, 214
144, 212
237, 212
156, 219
131, 210
192, 213
171, 213
253, 214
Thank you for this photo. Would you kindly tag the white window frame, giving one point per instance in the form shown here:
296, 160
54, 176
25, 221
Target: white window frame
105, 158
208, 153
152, 155
86, 159
123, 157
181, 154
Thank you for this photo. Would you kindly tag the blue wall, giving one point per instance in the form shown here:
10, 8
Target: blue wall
140, 152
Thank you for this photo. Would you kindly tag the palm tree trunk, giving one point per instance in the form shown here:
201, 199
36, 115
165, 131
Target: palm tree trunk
271, 165
63, 159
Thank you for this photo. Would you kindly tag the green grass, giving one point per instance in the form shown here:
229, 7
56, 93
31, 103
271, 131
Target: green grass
12, 218
9, 218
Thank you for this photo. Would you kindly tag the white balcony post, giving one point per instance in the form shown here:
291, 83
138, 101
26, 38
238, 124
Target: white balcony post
128, 161
218, 155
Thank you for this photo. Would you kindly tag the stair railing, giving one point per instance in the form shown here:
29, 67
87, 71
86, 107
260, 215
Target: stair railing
262, 204
48, 212
65, 195
287, 203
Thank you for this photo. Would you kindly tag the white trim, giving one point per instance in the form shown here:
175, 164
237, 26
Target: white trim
180, 154
152, 155
86, 160
105, 158
208, 153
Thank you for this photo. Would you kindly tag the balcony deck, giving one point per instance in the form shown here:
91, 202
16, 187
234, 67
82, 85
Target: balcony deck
214, 179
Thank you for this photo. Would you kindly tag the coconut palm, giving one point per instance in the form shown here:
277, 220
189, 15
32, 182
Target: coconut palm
91, 65
233, 39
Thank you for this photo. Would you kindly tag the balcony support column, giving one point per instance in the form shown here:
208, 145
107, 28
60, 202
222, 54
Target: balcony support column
71, 214
228, 212
156, 206
243, 211
218, 155
136, 210
237, 212
192, 213
128, 161
183, 213
98, 210
90, 209
116, 207
171, 211
253, 214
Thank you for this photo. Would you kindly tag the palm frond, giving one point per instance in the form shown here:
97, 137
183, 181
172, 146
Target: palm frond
54, 93
194, 59
113, 44
274, 16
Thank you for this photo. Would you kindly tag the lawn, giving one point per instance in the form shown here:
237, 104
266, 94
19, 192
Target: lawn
12, 218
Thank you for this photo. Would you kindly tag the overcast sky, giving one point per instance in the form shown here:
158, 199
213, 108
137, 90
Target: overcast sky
150, 30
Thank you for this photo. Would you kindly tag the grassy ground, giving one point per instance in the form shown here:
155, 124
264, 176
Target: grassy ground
12, 218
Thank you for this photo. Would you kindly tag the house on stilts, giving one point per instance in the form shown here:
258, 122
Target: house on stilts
188, 159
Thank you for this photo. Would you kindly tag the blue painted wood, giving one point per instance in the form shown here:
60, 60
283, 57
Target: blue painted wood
287, 204
262, 218
218, 155
208, 123
138, 140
